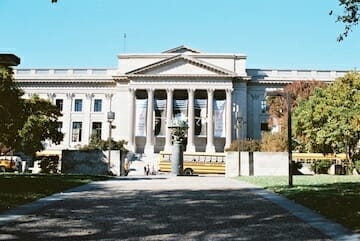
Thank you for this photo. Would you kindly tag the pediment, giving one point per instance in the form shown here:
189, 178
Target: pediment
181, 49
182, 65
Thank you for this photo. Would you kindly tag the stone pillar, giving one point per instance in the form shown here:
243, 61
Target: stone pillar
210, 122
169, 112
149, 145
191, 122
228, 123
132, 110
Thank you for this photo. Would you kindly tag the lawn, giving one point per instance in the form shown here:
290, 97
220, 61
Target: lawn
19, 189
336, 197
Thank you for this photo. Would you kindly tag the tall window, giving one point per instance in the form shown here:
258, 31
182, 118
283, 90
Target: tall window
97, 105
59, 126
78, 105
96, 129
263, 106
76, 131
59, 103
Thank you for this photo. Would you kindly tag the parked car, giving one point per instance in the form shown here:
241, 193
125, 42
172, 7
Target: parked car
10, 163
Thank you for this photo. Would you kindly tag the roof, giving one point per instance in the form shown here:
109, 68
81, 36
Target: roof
181, 49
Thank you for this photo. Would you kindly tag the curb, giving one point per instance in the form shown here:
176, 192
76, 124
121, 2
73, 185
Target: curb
334, 230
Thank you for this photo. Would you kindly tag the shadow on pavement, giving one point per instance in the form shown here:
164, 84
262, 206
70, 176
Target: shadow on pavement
114, 214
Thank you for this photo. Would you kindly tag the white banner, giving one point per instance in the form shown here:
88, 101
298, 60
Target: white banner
219, 118
140, 122
160, 116
180, 109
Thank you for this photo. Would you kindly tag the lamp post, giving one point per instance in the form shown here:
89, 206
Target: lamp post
110, 119
289, 135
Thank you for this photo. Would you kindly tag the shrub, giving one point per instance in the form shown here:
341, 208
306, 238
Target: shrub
245, 145
274, 142
49, 164
321, 167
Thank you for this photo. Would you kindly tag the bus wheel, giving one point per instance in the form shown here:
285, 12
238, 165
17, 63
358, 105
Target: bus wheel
188, 172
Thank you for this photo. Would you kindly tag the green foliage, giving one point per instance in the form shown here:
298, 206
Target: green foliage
49, 164
329, 121
10, 109
321, 167
96, 143
350, 16
24, 124
40, 124
298, 91
245, 145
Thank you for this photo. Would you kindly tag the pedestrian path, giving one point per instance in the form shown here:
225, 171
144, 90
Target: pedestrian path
165, 208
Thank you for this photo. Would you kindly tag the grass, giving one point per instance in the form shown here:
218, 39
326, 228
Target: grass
17, 189
335, 197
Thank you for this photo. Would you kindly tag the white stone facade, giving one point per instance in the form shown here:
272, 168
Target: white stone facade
147, 91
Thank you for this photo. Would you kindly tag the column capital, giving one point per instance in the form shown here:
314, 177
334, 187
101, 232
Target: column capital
90, 96
229, 90
132, 90
109, 96
150, 90
70, 95
210, 91
51, 96
191, 90
169, 90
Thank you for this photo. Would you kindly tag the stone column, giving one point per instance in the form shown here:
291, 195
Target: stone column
169, 112
228, 123
191, 122
149, 145
132, 110
88, 122
210, 122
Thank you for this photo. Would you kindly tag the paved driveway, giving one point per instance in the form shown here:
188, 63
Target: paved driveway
161, 208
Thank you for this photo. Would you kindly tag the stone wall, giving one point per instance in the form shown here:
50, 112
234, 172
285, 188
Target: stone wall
257, 164
84, 162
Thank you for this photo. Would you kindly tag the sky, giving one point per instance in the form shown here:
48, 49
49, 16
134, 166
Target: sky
276, 34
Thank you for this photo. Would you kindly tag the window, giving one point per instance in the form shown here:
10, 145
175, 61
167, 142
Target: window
97, 105
263, 106
59, 126
59, 103
264, 126
76, 131
78, 105
96, 129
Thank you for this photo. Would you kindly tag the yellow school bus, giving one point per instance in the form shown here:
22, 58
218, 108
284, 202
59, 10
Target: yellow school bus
195, 163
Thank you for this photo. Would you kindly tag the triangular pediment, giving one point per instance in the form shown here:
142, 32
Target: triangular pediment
181, 49
181, 65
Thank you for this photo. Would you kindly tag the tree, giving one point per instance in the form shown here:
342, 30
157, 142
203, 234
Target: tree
298, 91
10, 109
40, 119
329, 121
350, 16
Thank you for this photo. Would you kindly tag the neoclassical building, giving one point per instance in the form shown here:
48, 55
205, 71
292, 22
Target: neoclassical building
146, 92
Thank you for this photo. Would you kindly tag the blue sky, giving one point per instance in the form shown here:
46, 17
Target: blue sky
283, 34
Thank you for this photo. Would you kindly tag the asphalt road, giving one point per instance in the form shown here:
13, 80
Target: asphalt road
160, 208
